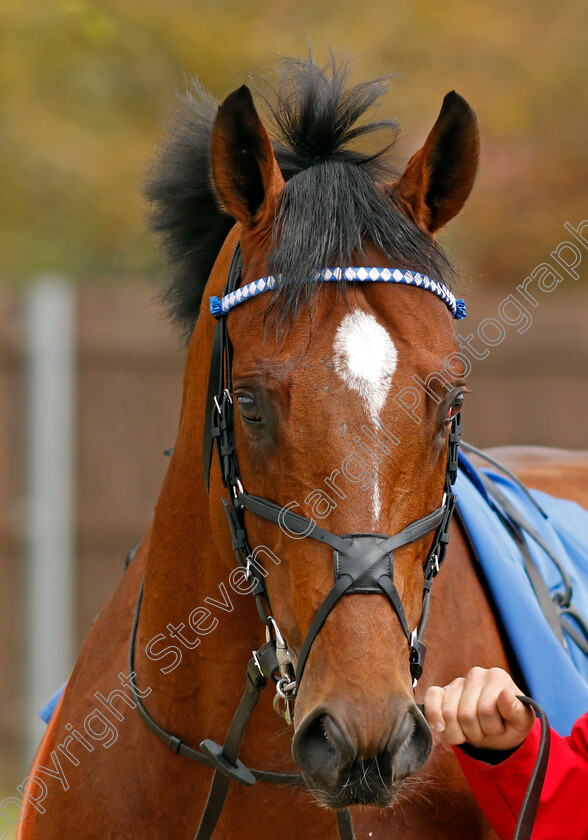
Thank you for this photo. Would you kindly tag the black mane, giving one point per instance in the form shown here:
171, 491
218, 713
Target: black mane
330, 205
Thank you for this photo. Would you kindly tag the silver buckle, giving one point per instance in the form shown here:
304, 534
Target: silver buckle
280, 641
414, 638
256, 660
218, 406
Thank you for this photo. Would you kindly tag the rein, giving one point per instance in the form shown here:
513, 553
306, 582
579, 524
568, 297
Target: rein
363, 564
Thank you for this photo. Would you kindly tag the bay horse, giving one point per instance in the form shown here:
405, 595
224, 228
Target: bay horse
317, 377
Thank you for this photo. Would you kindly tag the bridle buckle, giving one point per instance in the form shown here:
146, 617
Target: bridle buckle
257, 662
225, 396
238, 489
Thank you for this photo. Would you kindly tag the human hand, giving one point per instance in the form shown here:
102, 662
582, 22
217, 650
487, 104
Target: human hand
480, 709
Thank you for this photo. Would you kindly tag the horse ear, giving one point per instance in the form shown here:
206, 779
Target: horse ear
246, 174
439, 177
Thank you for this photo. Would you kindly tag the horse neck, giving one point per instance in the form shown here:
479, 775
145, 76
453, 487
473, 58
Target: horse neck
184, 568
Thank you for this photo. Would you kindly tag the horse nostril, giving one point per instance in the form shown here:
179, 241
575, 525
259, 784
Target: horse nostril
410, 744
401, 734
322, 749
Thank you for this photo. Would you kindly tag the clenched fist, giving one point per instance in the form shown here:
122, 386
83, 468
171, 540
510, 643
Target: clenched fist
480, 709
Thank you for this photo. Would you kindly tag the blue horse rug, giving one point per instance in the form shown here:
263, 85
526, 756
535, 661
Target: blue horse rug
555, 675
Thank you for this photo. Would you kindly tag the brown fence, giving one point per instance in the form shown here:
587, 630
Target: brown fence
530, 389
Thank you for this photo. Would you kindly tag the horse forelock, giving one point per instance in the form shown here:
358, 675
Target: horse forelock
331, 207
326, 217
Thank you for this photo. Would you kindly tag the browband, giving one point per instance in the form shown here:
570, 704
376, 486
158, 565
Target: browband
457, 307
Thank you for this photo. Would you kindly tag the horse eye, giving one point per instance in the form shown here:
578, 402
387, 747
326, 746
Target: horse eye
455, 407
248, 408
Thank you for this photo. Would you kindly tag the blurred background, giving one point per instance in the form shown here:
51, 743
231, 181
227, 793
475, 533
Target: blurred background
85, 90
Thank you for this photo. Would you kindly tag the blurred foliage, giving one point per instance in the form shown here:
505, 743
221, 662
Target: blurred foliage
86, 85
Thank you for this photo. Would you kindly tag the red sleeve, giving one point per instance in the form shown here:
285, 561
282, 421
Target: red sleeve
563, 809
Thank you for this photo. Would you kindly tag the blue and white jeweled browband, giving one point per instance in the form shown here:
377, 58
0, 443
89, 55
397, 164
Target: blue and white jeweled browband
457, 307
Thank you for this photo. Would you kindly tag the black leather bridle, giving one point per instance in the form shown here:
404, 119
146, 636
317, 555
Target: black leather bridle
363, 564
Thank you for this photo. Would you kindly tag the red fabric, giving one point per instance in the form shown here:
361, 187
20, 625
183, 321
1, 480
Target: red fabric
563, 809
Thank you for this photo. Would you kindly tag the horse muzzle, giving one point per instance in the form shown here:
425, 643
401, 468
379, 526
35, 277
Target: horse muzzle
343, 767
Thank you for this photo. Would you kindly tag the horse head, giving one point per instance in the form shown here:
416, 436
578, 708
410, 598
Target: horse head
343, 396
